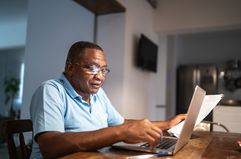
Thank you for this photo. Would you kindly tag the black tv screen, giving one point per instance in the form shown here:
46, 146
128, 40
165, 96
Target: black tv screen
147, 54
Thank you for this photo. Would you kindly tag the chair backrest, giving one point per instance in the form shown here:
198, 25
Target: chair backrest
19, 127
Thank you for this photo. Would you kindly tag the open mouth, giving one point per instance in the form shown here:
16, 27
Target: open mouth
96, 85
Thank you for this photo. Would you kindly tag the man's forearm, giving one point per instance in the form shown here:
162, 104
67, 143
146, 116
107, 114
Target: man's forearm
55, 144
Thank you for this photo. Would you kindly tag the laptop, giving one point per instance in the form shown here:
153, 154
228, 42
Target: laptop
170, 145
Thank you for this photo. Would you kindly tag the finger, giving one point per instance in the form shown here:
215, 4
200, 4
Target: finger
156, 129
148, 126
182, 116
152, 142
155, 136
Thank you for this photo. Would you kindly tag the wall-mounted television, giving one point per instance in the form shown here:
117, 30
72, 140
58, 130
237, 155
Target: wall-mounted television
147, 54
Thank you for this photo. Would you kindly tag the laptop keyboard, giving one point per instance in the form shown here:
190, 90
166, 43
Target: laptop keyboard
165, 143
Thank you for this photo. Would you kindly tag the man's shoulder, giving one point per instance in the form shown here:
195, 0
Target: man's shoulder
56, 83
51, 81
53, 85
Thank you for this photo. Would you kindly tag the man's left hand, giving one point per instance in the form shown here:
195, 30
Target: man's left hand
177, 119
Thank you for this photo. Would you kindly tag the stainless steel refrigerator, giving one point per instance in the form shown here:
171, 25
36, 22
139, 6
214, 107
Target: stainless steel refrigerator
188, 76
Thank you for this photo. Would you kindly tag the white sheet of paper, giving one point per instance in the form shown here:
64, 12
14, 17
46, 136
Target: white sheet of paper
209, 102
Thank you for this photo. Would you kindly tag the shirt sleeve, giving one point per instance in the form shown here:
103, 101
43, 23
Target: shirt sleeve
114, 117
47, 109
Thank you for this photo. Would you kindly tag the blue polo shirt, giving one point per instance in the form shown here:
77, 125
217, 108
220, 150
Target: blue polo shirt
56, 106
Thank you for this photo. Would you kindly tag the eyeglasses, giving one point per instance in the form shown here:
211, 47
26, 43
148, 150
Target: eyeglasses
93, 69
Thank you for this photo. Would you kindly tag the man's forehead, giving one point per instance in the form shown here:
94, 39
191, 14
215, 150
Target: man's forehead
92, 55
91, 51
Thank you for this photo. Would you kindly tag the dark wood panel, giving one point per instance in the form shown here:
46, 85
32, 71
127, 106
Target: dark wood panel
101, 7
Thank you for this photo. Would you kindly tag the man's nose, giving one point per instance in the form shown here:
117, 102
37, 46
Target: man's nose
99, 75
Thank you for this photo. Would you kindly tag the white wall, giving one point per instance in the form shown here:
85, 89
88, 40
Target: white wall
195, 15
171, 77
110, 36
13, 34
139, 97
52, 28
158, 106
13, 23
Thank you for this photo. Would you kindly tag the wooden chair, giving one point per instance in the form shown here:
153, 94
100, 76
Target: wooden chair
13, 127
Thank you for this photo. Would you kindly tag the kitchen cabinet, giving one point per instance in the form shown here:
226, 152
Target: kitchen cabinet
102, 7
229, 116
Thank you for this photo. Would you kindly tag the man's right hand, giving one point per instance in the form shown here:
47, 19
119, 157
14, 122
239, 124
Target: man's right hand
136, 131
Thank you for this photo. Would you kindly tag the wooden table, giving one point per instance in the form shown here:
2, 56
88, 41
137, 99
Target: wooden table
214, 145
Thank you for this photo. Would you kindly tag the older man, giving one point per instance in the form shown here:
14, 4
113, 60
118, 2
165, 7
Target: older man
73, 113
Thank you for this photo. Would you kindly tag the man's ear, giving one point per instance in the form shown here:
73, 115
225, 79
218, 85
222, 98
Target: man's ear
69, 69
